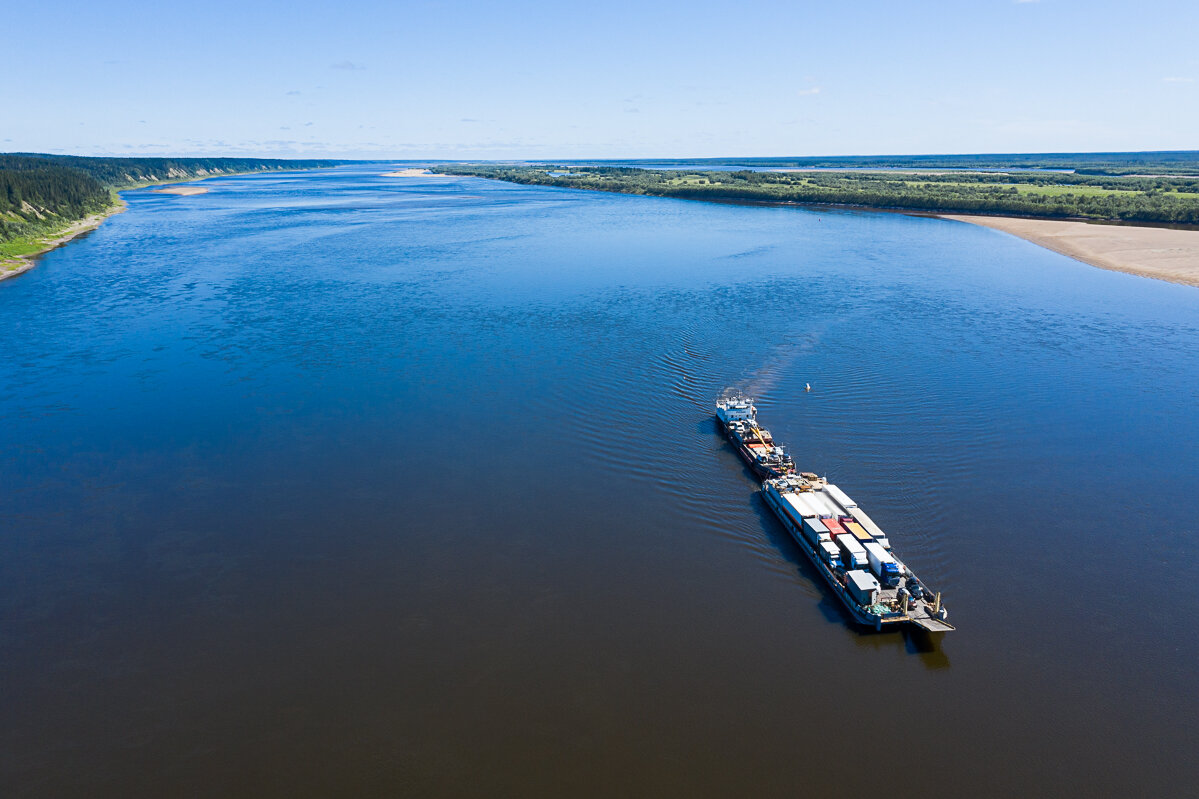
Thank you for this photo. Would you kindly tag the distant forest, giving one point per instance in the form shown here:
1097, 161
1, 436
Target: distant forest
40, 192
1157, 199
34, 191
1162, 162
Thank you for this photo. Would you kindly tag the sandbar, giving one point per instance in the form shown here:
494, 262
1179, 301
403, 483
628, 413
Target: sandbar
1162, 253
186, 191
412, 172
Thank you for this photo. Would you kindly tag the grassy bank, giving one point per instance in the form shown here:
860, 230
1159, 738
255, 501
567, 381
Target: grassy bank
1157, 199
46, 200
19, 253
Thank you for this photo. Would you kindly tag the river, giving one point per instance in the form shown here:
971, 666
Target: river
329, 483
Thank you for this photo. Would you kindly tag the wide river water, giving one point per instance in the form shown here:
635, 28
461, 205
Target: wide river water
333, 484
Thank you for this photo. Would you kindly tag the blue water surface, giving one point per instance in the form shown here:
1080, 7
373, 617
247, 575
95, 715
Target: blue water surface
331, 483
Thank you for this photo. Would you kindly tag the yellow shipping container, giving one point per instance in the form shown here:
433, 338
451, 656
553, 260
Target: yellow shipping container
858, 531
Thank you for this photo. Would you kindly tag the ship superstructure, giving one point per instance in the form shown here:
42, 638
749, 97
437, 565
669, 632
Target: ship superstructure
739, 420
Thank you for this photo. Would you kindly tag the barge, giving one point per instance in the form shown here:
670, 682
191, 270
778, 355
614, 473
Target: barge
849, 550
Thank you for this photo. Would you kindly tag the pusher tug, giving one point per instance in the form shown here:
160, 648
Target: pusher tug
739, 420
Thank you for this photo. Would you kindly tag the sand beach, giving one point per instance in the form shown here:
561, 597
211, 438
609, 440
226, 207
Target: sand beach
1161, 253
185, 191
19, 264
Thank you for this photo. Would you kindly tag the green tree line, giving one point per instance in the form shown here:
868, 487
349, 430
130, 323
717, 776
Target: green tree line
1163, 162
39, 193
125, 172
1156, 199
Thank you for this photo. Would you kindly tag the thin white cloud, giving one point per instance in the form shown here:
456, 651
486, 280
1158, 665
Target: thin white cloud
348, 65
809, 92
1178, 80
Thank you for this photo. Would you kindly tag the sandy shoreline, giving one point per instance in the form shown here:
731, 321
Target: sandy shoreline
412, 172
1161, 253
23, 263
185, 191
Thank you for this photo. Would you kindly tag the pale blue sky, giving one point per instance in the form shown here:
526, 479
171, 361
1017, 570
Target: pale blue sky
618, 79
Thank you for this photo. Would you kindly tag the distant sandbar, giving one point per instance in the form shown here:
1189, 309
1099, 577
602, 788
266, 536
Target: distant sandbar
1162, 253
411, 172
186, 191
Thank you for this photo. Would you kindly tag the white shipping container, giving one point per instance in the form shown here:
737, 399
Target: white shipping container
841, 497
855, 555
823, 503
830, 551
878, 556
815, 531
867, 523
801, 506
880, 559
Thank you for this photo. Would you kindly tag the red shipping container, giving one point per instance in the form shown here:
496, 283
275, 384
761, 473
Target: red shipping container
834, 527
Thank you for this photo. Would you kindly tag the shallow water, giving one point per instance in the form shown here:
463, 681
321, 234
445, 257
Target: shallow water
335, 484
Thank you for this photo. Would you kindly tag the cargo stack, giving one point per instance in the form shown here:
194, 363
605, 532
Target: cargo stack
854, 553
849, 551
816, 532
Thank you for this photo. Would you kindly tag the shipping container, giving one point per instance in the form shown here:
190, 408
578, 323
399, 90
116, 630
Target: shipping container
882, 564
830, 553
802, 507
868, 524
862, 587
861, 518
793, 513
855, 555
815, 531
834, 527
819, 499
857, 531
841, 497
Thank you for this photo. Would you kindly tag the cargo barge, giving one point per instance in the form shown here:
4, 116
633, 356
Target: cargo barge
850, 551
738, 419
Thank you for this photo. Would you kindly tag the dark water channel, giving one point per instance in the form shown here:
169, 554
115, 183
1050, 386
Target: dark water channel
332, 484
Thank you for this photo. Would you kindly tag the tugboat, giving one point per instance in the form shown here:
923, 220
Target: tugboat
738, 420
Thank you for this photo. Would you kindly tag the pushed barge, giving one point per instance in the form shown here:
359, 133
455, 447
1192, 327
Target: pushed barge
850, 551
738, 419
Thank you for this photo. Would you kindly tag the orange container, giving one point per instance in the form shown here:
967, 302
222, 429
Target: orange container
858, 531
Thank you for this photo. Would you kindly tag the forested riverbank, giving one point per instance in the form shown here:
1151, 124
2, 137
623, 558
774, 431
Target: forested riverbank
47, 199
1157, 199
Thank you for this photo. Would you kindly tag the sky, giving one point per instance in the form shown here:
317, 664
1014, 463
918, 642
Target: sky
543, 79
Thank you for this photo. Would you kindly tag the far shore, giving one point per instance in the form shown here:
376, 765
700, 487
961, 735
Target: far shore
185, 191
11, 267
1161, 253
